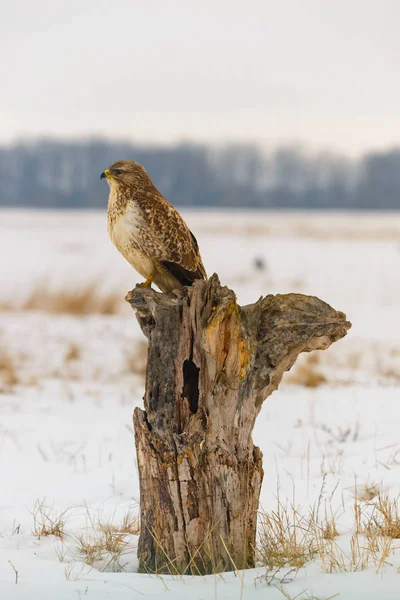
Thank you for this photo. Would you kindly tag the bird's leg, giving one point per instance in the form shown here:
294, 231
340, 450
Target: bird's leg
148, 282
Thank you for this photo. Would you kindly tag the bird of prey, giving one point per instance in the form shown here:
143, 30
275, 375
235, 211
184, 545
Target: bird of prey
148, 231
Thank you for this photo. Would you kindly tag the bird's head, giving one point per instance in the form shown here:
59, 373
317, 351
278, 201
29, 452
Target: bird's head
124, 172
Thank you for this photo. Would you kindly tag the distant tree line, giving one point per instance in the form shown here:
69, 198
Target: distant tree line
61, 174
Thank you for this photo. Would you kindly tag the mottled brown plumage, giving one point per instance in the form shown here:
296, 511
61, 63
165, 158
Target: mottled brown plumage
148, 231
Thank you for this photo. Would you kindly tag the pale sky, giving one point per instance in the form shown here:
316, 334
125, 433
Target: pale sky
325, 73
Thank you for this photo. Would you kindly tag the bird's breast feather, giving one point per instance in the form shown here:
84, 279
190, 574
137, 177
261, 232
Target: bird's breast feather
125, 228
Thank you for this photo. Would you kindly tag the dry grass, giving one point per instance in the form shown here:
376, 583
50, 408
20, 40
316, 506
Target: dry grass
130, 524
371, 542
88, 299
367, 492
285, 539
73, 353
307, 372
385, 518
106, 543
46, 522
329, 531
288, 538
305, 595
391, 373
8, 372
354, 360
378, 361
93, 548
342, 435
332, 462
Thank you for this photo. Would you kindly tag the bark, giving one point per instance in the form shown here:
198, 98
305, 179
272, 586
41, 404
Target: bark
211, 364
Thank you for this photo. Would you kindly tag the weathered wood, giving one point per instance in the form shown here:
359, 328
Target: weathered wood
211, 364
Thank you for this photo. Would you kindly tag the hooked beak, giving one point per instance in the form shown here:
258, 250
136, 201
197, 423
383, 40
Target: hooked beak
105, 174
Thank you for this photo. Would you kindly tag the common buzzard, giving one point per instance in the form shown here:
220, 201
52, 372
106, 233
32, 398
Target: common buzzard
148, 231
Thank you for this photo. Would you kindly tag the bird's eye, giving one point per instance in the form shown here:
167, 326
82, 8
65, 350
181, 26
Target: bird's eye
118, 171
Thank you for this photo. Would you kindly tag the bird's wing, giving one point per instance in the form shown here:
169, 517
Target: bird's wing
180, 255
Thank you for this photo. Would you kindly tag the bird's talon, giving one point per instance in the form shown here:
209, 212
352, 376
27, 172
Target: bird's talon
147, 283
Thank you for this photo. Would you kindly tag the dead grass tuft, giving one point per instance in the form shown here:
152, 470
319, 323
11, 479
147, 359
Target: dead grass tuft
285, 539
367, 492
329, 531
130, 524
8, 372
107, 543
307, 372
391, 373
46, 522
94, 547
385, 518
74, 352
88, 299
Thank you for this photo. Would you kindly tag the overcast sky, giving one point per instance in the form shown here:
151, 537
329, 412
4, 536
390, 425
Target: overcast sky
322, 72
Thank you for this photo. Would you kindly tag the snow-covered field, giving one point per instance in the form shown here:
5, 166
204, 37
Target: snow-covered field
69, 382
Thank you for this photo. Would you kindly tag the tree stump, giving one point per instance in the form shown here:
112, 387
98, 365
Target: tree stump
211, 364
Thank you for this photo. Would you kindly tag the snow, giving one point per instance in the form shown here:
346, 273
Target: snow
66, 438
